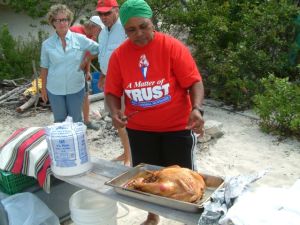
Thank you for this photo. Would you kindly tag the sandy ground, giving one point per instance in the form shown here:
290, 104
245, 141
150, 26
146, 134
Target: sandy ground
242, 149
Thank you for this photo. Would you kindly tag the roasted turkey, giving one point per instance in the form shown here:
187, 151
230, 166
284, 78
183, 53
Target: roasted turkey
173, 182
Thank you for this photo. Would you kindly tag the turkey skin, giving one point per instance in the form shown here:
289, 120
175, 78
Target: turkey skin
173, 182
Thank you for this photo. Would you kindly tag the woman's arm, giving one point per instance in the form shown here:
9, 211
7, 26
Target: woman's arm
196, 121
43, 75
114, 104
197, 94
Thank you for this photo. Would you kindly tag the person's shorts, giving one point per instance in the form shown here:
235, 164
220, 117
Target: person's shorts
163, 148
106, 109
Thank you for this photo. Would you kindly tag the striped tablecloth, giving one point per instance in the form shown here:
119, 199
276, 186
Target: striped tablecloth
25, 152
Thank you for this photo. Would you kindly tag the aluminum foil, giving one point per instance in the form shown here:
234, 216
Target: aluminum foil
224, 198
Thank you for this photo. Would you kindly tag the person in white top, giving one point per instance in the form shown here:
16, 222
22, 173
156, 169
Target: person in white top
110, 38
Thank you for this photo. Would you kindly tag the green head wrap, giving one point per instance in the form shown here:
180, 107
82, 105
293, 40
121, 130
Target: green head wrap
134, 8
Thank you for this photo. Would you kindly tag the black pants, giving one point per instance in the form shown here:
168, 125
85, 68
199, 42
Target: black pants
162, 148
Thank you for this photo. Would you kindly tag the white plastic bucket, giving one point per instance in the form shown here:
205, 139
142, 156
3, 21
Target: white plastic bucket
67, 147
89, 208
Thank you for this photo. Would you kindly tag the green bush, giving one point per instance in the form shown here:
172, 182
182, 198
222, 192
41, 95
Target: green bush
17, 55
278, 106
237, 43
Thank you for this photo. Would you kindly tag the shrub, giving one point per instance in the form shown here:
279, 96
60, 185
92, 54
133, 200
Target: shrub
17, 55
279, 106
237, 43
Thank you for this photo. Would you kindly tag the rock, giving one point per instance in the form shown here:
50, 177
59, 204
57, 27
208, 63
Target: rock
205, 138
96, 115
213, 129
107, 119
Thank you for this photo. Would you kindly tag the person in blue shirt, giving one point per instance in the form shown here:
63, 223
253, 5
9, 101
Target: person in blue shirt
110, 38
63, 81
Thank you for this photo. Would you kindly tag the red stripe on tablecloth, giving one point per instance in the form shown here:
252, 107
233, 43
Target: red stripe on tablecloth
18, 164
42, 173
13, 136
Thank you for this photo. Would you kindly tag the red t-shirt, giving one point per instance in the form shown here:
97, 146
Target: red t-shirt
80, 29
154, 79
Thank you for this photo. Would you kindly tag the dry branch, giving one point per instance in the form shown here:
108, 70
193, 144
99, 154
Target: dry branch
9, 82
36, 77
11, 103
96, 97
14, 91
27, 104
13, 82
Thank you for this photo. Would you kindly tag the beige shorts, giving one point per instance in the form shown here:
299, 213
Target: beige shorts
106, 109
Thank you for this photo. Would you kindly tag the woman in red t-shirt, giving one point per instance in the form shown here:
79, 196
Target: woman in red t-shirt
163, 92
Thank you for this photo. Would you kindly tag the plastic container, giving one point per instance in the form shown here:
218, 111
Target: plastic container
89, 208
67, 147
3, 215
94, 82
27, 209
13, 183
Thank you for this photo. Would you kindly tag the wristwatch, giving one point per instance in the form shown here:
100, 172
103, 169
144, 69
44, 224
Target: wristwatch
199, 108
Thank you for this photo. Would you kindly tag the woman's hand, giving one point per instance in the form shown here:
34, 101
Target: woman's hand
44, 95
119, 119
113, 102
88, 76
101, 82
85, 63
196, 122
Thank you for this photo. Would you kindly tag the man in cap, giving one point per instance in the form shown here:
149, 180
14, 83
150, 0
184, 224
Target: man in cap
164, 91
90, 28
110, 38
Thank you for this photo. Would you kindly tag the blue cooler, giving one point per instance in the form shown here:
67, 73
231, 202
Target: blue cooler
94, 83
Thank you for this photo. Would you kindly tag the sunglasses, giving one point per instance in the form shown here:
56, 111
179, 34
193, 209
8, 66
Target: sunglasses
105, 13
63, 20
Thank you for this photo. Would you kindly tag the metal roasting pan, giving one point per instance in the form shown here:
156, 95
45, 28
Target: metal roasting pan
213, 183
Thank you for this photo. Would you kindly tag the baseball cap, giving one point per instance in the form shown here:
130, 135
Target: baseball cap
106, 5
97, 20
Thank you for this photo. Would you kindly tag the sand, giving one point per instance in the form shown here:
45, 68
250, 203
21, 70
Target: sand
243, 149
